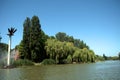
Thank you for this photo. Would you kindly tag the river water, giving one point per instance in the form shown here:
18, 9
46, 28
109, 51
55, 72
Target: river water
108, 70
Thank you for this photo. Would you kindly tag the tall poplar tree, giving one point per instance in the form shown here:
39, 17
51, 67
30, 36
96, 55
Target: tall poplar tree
36, 41
26, 38
32, 45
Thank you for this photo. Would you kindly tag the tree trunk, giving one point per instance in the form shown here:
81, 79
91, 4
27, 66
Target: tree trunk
9, 50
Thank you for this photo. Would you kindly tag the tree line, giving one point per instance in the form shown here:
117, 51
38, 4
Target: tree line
37, 46
62, 48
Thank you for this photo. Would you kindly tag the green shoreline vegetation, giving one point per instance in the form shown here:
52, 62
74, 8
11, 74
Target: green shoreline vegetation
37, 48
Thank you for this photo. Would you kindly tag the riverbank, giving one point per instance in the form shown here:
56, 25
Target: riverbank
25, 63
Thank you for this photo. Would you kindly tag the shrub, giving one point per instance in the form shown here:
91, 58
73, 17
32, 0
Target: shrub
22, 62
48, 61
69, 59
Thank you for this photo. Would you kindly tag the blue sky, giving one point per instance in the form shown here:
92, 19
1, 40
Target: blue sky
96, 22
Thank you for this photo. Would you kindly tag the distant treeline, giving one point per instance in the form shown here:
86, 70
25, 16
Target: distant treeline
37, 46
111, 57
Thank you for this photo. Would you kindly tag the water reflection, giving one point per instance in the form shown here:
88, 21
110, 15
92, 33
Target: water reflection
109, 70
10, 74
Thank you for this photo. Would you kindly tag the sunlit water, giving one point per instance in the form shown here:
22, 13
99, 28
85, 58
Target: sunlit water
108, 70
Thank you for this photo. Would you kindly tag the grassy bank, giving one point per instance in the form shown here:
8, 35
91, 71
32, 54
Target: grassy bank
22, 62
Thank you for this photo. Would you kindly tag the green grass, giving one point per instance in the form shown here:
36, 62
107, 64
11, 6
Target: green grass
22, 62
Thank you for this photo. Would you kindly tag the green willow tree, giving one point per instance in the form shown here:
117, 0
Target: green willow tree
66, 52
77, 55
58, 50
83, 55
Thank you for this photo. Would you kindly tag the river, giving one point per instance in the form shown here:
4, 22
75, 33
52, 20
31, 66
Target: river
108, 70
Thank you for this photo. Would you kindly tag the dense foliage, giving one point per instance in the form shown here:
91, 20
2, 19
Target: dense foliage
37, 46
24, 46
61, 36
66, 52
32, 45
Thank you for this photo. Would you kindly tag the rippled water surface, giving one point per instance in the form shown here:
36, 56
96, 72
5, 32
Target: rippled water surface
108, 70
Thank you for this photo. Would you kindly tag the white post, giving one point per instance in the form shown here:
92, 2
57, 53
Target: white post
9, 48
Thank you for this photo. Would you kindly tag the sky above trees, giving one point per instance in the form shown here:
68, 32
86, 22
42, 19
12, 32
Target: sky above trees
96, 22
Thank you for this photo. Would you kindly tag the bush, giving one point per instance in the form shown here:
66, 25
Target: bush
22, 62
69, 59
48, 61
